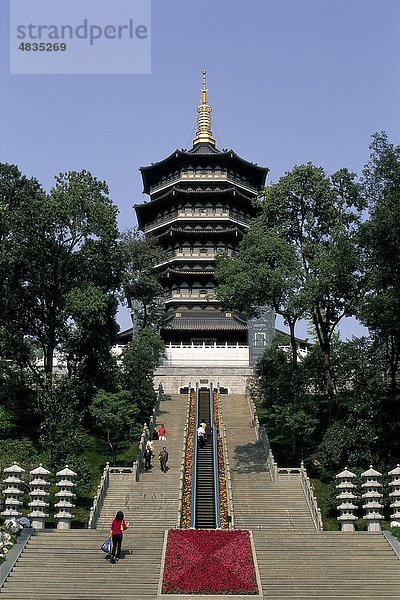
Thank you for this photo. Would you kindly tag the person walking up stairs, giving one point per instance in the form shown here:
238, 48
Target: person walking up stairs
69, 565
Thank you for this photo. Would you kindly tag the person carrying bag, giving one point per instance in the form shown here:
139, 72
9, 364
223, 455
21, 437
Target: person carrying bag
118, 526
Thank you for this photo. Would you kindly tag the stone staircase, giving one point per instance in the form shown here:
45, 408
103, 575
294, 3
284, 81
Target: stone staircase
327, 565
64, 565
295, 561
258, 503
153, 501
69, 565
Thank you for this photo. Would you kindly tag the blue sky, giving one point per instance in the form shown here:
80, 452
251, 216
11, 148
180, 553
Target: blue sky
290, 81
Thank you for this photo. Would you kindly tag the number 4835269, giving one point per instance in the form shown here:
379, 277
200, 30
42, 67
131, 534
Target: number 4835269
42, 47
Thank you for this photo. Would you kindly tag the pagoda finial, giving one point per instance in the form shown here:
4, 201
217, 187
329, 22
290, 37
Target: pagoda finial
203, 134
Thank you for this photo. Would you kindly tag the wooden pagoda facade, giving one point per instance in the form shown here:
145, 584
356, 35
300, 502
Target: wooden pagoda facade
200, 204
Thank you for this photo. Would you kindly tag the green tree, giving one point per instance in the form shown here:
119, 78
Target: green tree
61, 429
18, 198
141, 284
267, 272
319, 216
140, 359
361, 433
59, 250
292, 407
21, 451
115, 416
380, 310
310, 221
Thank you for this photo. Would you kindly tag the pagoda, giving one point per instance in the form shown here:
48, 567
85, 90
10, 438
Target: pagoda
201, 202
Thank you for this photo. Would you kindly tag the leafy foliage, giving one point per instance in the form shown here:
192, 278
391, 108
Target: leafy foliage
61, 431
59, 255
380, 236
141, 283
115, 416
139, 360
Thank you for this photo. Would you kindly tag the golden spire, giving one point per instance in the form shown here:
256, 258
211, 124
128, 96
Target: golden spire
203, 134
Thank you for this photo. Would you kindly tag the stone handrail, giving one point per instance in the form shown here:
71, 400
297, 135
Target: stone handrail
308, 490
99, 497
147, 434
14, 554
306, 485
262, 438
183, 455
227, 465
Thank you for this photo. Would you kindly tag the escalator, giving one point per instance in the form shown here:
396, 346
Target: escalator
205, 496
205, 488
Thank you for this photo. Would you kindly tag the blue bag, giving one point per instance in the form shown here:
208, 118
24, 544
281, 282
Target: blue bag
106, 546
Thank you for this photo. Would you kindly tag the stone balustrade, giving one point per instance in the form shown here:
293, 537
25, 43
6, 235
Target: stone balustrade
308, 490
98, 500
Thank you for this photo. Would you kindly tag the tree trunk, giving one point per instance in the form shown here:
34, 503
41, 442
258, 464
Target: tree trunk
112, 448
49, 360
393, 352
324, 343
292, 324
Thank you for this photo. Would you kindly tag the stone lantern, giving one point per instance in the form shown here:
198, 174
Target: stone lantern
372, 498
65, 496
39, 494
346, 496
395, 493
12, 492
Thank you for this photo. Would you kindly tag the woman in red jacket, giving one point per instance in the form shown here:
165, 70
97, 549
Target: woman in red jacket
118, 526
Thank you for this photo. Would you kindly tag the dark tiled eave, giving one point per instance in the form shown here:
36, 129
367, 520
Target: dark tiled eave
192, 231
205, 324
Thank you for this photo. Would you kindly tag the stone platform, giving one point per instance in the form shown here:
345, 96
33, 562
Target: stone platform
234, 379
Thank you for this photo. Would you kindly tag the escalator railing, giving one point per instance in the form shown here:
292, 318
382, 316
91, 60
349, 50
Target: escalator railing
214, 431
193, 504
205, 496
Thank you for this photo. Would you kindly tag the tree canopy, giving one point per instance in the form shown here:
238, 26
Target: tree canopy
60, 266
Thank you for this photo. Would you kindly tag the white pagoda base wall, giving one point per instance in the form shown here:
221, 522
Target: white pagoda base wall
235, 379
206, 356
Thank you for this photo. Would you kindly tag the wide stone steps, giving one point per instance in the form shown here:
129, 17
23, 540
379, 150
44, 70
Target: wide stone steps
295, 562
153, 499
258, 503
70, 565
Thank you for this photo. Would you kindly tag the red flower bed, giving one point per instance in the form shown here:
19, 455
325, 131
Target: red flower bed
187, 477
209, 562
223, 492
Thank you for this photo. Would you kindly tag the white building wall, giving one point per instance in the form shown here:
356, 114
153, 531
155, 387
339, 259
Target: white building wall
206, 356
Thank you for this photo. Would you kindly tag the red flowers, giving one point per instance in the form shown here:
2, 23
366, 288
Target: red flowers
209, 562
223, 495
187, 477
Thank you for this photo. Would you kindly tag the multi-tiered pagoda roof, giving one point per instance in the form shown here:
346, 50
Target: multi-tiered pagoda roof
201, 202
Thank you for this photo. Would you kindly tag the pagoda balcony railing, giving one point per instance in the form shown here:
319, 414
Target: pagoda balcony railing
204, 175
190, 296
195, 215
206, 355
196, 255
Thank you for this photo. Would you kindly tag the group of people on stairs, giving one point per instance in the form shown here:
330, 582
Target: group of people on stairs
148, 455
119, 525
